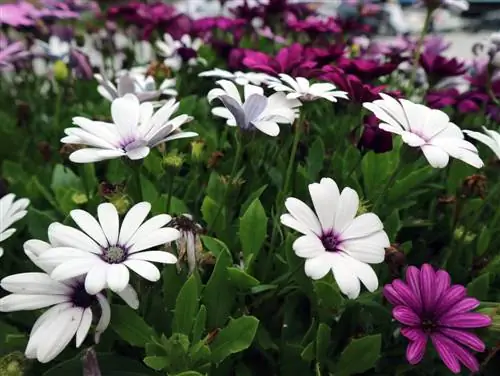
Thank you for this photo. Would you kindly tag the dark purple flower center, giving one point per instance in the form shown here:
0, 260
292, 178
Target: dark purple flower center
187, 53
80, 297
331, 241
114, 254
429, 326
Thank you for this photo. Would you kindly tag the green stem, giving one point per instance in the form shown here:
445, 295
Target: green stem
418, 50
387, 185
170, 190
57, 112
234, 170
293, 152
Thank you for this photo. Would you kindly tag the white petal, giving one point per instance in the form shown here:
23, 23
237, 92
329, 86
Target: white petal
155, 238
110, 223
347, 209
154, 256
34, 283
324, 203
7, 234
347, 281
90, 226
308, 246
61, 235
90, 155
129, 296
148, 227
84, 327
125, 112
117, 277
364, 272
28, 302
137, 153
105, 317
318, 267
370, 249
96, 278
270, 128
363, 225
145, 269
436, 156
289, 221
72, 268
488, 141
302, 213
134, 218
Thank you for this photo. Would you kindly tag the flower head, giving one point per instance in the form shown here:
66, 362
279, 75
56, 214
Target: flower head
179, 52
334, 239
425, 128
240, 78
300, 88
72, 308
430, 307
11, 211
257, 111
374, 138
134, 131
490, 139
103, 251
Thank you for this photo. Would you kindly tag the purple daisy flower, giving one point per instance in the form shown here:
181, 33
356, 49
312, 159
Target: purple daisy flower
429, 306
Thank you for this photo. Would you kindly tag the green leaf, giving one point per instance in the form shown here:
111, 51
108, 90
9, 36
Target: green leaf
359, 356
241, 279
214, 245
479, 287
63, 177
186, 307
148, 189
189, 373
199, 324
408, 183
116, 171
322, 341
212, 214
392, 225
218, 295
253, 230
315, 159
156, 362
251, 198
328, 296
376, 169
236, 337
130, 326
38, 222
483, 241
308, 353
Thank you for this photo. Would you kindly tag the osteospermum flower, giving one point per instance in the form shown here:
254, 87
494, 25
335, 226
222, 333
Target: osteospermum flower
428, 129
10, 211
134, 131
71, 311
430, 307
256, 111
103, 251
240, 78
490, 139
179, 52
334, 239
300, 88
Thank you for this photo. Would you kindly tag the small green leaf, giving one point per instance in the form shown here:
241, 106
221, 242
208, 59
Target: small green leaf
253, 230
409, 182
38, 222
148, 189
483, 241
479, 287
156, 362
63, 177
359, 356
130, 326
315, 159
213, 214
189, 373
214, 245
308, 353
328, 295
186, 307
253, 196
236, 337
241, 279
392, 225
322, 341
199, 324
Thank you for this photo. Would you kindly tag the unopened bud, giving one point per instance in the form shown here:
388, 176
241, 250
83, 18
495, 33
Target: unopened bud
61, 71
12, 364
197, 150
173, 161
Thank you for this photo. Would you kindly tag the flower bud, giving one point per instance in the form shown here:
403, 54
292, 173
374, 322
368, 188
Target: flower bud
61, 71
12, 364
197, 147
173, 160
121, 203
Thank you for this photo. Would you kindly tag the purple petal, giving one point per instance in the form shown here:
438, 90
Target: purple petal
407, 295
392, 296
427, 286
449, 298
463, 306
406, 316
413, 280
442, 345
466, 321
465, 338
443, 282
416, 350
464, 356
254, 106
414, 334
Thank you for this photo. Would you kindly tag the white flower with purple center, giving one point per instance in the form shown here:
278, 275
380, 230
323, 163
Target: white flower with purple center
136, 128
103, 251
300, 88
71, 312
334, 239
180, 52
256, 111
11, 211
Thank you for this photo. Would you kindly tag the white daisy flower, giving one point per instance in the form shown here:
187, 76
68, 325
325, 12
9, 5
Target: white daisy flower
136, 128
71, 310
136, 82
178, 52
143, 52
56, 49
335, 239
10, 211
425, 128
490, 139
257, 111
103, 251
300, 88
240, 78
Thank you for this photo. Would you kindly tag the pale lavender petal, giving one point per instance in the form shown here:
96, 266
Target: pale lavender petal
254, 106
465, 338
406, 316
466, 321
236, 110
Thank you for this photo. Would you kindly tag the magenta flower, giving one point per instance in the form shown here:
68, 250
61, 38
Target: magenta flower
290, 60
367, 70
438, 66
10, 53
312, 25
16, 15
374, 138
430, 307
